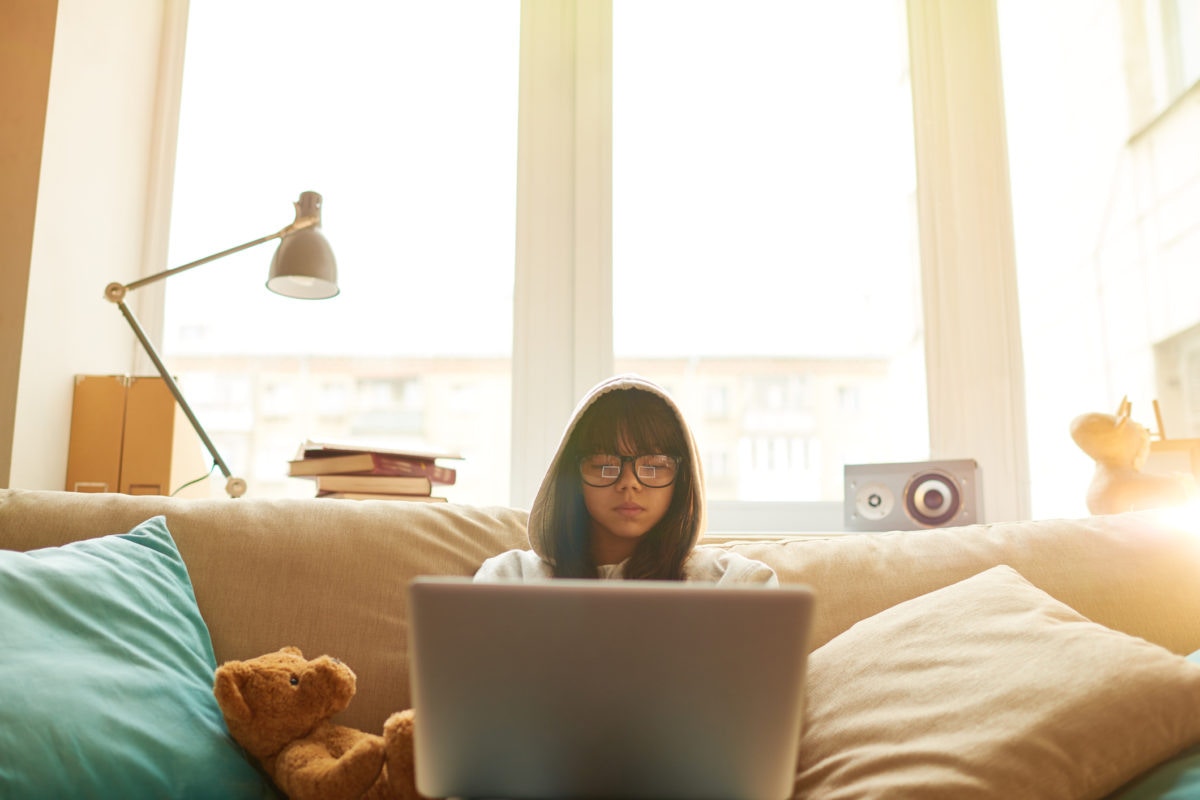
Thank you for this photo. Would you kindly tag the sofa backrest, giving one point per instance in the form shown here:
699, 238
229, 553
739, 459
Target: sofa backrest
328, 576
1137, 572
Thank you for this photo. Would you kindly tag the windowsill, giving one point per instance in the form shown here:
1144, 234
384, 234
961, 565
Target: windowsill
773, 520
729, 538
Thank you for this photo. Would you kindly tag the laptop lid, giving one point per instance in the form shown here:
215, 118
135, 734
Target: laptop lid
616, 689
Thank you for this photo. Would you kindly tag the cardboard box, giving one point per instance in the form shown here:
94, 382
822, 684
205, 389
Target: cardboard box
97, 427
148, 438
129, 435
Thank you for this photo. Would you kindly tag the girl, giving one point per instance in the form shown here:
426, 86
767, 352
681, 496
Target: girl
623, 498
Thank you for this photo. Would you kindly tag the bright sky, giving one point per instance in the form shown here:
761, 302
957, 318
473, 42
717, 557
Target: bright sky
762, 176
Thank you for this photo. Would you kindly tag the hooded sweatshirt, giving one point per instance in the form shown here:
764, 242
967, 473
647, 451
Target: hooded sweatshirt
709, 565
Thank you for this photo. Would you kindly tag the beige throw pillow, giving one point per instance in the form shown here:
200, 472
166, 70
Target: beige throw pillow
990, 688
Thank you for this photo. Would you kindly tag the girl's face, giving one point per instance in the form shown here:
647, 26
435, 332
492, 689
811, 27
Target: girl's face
621, 514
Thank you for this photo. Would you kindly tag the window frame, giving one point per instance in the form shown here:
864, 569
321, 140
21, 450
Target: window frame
562, 339
566, 346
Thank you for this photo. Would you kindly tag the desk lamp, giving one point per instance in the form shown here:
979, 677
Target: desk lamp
303, 267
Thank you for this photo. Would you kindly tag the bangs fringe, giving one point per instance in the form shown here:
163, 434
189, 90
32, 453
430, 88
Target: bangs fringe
642, 419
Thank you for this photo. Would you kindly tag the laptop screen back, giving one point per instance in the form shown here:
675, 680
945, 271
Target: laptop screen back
617, 689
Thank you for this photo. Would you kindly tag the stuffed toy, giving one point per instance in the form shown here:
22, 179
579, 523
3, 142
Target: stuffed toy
1120, 448
278, 708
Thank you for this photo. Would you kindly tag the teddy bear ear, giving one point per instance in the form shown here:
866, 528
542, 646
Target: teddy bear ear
290, 650
228, 691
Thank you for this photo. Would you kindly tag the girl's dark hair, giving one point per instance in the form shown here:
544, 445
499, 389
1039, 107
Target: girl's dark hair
646, 422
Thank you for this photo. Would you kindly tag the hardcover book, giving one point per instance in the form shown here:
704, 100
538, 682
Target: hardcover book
317, 458
371, 464
416, 498
379, 484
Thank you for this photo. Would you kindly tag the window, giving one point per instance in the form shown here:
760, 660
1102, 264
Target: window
1180, 30
1160, 45
716, 402
1107, 225
1177, 369
763, 184
403, 116
388, 407
279, 398
333, 398
761, 159
848, 399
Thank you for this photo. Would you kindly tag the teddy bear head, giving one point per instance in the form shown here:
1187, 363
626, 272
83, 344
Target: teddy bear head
279, 697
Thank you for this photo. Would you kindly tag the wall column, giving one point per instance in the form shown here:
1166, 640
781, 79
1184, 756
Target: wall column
974, 361
26, 48
563, 291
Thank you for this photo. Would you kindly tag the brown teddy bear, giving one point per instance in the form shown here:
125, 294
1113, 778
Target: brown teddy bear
278, 707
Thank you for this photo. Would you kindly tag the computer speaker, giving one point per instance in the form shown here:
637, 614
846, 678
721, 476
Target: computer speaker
912, 495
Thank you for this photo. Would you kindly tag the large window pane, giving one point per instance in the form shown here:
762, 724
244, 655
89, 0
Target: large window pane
1106, 211
403, 116
764, 241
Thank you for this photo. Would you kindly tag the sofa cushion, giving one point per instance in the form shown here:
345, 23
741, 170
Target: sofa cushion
990, 688
1176, 779
106, 676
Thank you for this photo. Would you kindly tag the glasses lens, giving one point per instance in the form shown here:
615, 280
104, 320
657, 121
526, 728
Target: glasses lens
656, 470
600, 469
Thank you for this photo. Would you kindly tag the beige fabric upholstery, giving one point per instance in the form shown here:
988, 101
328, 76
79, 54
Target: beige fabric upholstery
1137, 572
990, 688
328, 576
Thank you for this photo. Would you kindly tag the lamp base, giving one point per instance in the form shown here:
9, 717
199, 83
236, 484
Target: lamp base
235, 487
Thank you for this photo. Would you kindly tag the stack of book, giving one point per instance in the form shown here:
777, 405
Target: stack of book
372, 473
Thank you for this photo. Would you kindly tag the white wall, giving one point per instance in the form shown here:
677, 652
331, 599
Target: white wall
94, 203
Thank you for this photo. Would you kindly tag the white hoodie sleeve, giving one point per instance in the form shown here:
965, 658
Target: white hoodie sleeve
713, 565
704, 565
514, 565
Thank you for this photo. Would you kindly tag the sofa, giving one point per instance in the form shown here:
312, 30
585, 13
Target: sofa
1049, 658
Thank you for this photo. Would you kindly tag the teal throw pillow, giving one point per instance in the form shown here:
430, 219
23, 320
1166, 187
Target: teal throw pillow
1176, 779
106, 672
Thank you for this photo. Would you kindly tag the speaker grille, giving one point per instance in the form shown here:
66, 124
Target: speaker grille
932, 498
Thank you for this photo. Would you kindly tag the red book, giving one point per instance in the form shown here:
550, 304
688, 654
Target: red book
324, 459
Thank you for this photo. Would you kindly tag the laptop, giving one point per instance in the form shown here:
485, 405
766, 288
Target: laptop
607, 689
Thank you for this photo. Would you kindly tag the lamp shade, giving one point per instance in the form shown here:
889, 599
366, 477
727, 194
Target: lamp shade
304, 266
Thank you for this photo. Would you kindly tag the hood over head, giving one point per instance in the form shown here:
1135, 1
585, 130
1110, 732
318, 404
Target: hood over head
540, 532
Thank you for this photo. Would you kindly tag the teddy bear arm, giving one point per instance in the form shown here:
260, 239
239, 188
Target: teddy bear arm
343, 765
401, 762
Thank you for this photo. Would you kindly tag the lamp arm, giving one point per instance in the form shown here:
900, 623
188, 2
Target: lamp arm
234, 487
116, 291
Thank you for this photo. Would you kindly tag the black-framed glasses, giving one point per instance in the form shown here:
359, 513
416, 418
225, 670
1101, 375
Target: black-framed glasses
653, 470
